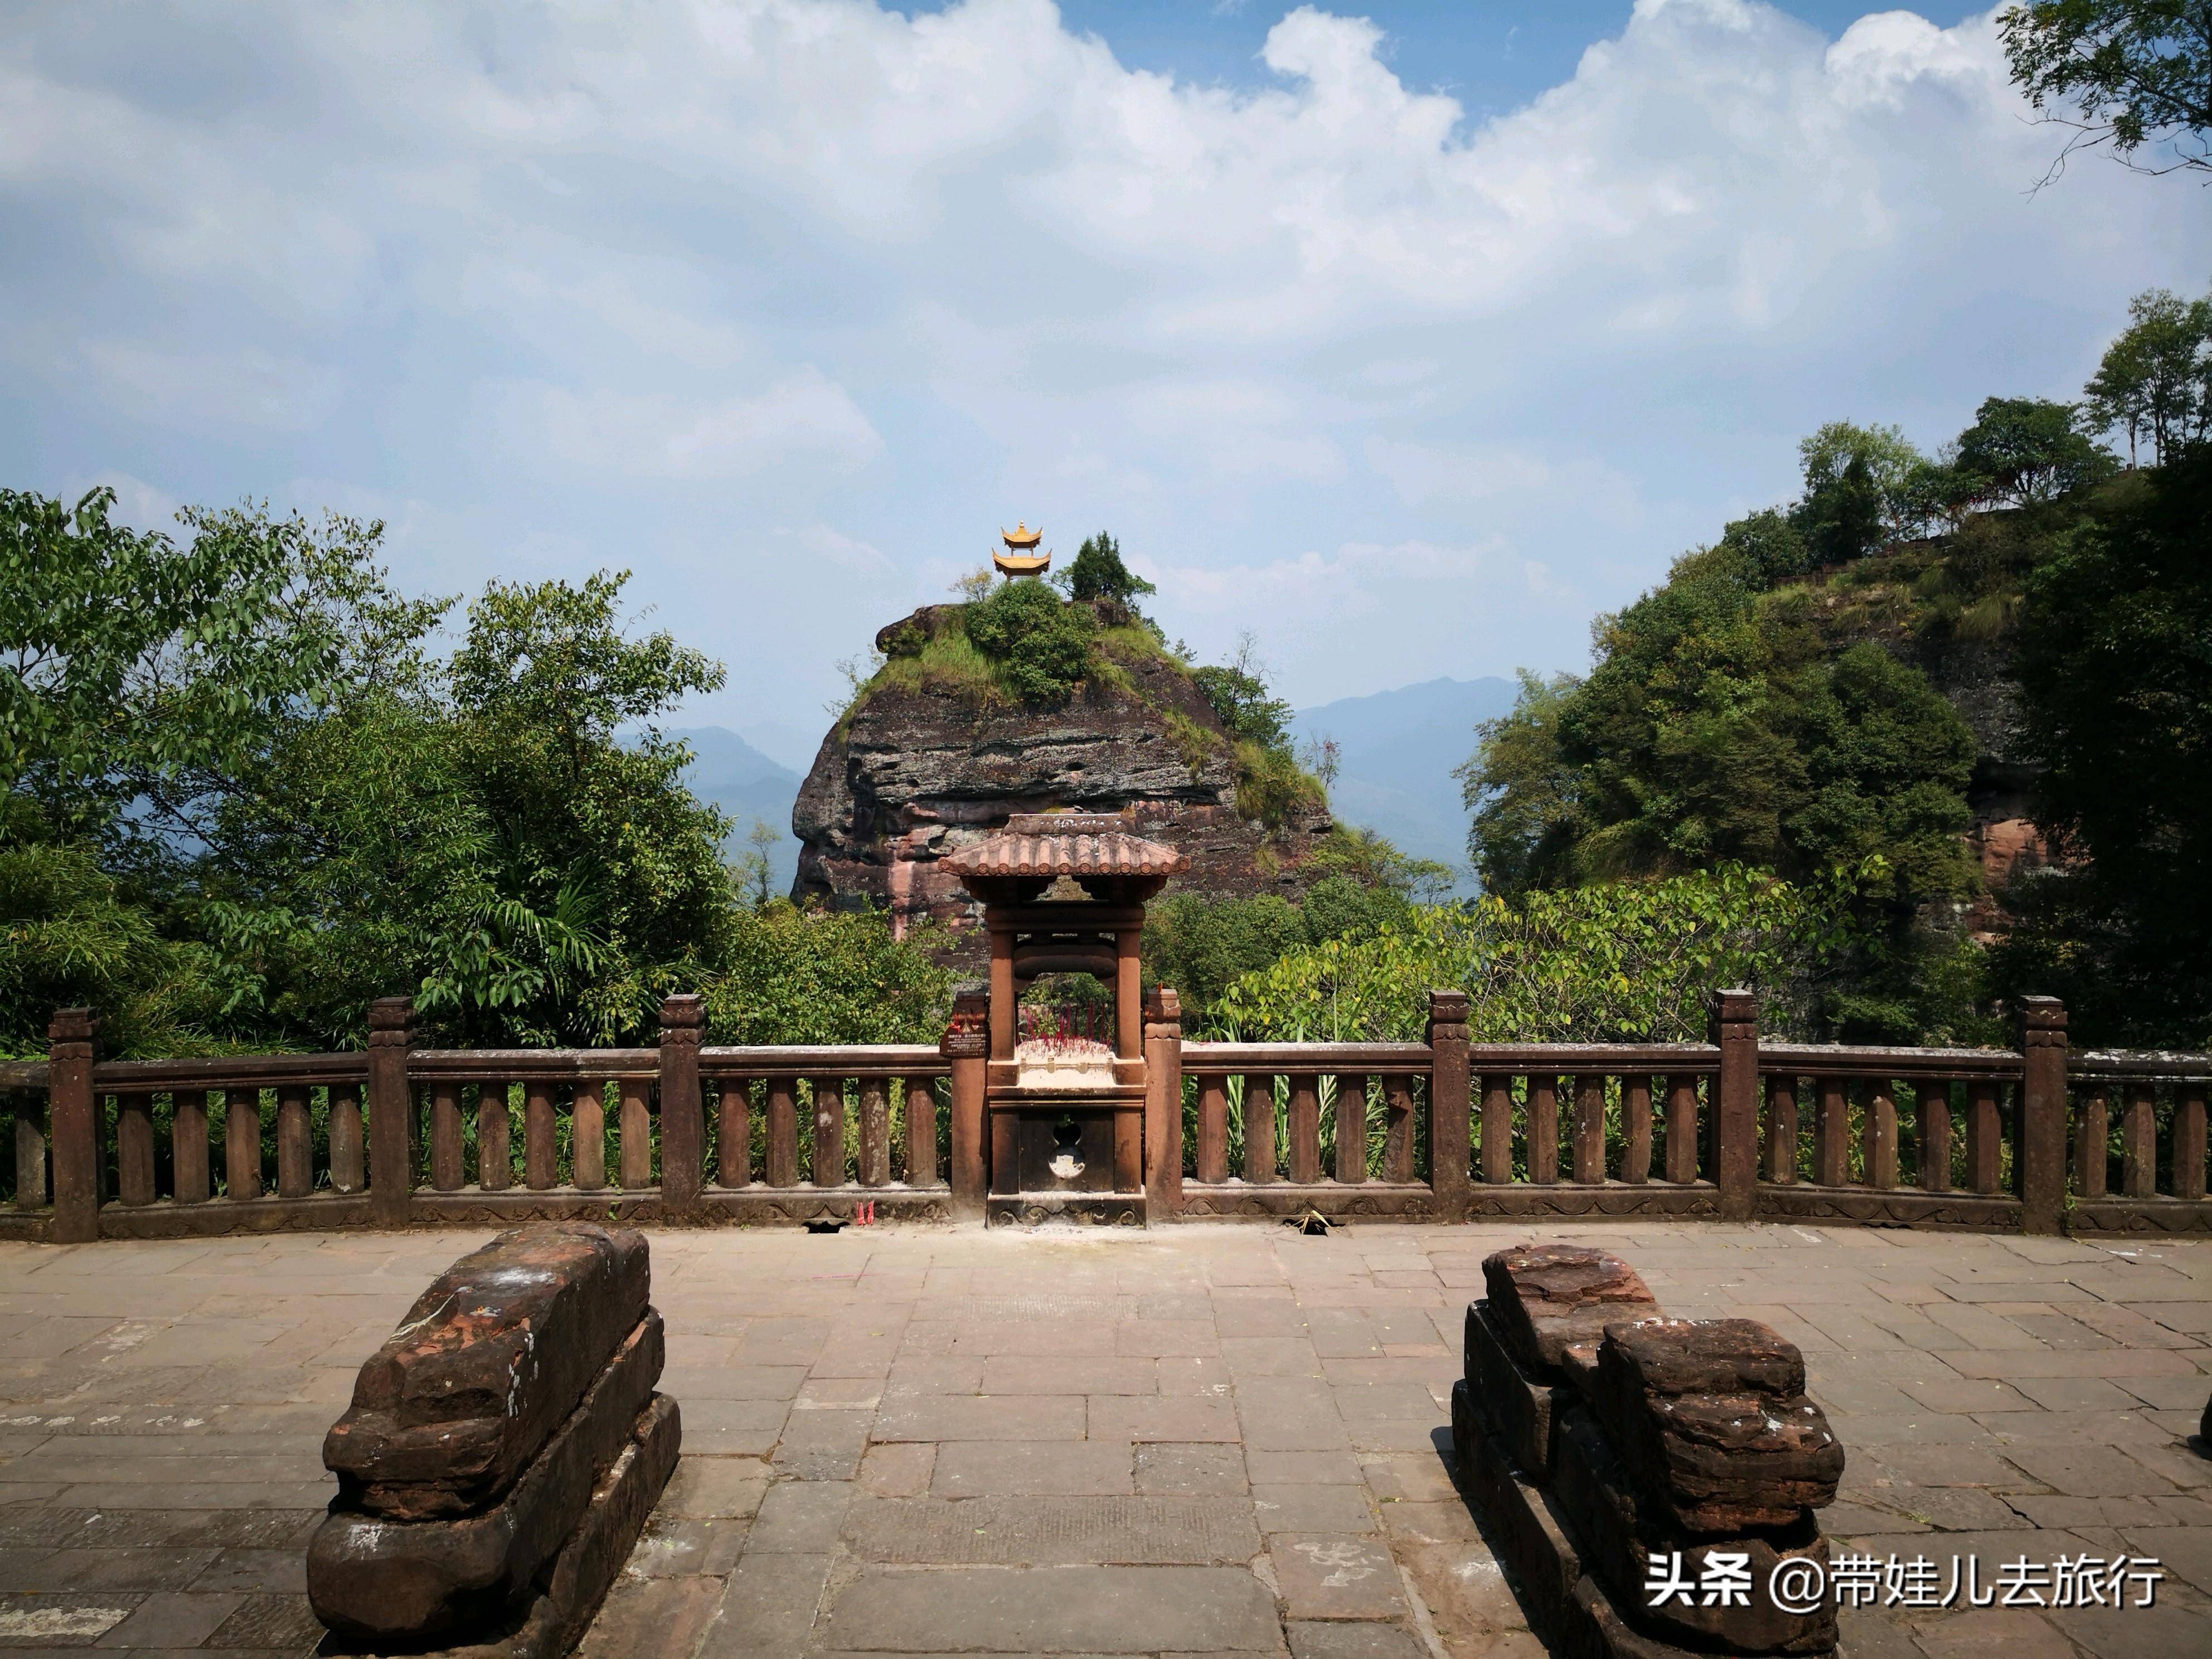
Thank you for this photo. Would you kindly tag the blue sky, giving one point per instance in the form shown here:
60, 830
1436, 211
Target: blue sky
1408, 337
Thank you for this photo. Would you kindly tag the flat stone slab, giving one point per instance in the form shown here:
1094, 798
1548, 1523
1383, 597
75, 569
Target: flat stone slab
1048, 1531
1071, 1610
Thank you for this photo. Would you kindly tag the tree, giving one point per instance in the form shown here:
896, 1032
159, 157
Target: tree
756, 866
1040, 644
1237, 692
2133, 73
2026, 451
1097, 572
2116, 665
1520, 792
2155, 380
1857, 488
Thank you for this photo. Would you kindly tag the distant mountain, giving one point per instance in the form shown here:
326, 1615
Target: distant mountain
1398, 749
732, 774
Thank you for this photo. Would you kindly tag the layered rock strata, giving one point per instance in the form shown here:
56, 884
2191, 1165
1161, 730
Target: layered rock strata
502, 1453
915, 772
1607, 1447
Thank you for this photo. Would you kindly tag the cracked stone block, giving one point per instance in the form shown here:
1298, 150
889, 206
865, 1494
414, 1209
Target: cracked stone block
489, 1361
1544, 1296
1620, 1530
372, 1577
1710, 1419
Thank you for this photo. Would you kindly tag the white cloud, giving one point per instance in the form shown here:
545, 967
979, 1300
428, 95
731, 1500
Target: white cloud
1410, 393
807, 417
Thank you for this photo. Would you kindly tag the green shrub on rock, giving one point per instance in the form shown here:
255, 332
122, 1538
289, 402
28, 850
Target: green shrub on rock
1039, 643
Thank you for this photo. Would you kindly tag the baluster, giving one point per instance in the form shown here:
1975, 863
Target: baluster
494, 1157
1984, 1137
1305, 1129
1682, 1130
1878, 1135
920, 1133
1635, 1128
2189, 1139
1931, 1116
827, 1168
588, 1136
2139, 1143
347, 1164
1831, 1135
30, 1151
782, 1131
1398, 1128
1544, 1130
541, 1160
296, 1144
634, 1148
1777, 1161
1590, 1130
1497, 1129
447, 1171
734, 1133
1351, 1130
2092, 1140
875, 1159
1259, 1129
134, 1149
241, 1142
188, 1146
1213, 1148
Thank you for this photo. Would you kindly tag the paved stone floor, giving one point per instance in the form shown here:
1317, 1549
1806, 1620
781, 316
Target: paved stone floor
1203, 1440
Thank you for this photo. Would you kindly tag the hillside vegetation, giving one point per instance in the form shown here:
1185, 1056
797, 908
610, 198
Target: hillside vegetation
1770, 703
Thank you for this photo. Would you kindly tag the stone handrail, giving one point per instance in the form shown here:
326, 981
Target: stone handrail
2033, 1138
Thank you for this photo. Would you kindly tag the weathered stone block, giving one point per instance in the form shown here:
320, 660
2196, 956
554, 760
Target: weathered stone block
1706, 1418
1707, 1356
1520, 1402
1544, 1296
1618, 1533
571, 1588
488, 1362
372, 1577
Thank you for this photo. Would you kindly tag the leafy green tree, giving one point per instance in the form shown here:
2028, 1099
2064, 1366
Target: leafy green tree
2132, 74
1238, 694
793, 975
1631, 961
1521, 792
2026, 451
1042, 645
2155, 380
1857, 489
1097, 572
2116, 663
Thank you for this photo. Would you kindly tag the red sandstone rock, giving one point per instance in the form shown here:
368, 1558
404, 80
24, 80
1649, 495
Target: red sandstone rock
1719, 1438
489, 1363
1544, 1296
378, 1579
1619, 1531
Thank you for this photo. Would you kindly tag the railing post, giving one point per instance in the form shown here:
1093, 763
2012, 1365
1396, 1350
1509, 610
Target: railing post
73, 1121
2039, 1159
967, 1045
1450, 1104
683, 1119
390, 1111
1162, 1104
1736, 1103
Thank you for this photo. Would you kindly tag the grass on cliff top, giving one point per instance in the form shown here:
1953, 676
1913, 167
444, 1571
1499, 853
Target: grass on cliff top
951, 662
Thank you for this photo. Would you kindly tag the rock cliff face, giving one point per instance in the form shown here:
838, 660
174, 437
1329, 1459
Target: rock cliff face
915, 772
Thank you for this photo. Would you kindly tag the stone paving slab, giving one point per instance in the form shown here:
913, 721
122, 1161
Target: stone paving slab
1183, 1440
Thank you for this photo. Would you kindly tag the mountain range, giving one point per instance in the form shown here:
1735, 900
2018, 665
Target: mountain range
1396, 751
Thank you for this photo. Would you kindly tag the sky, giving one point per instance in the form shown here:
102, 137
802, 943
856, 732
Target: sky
1407, 337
